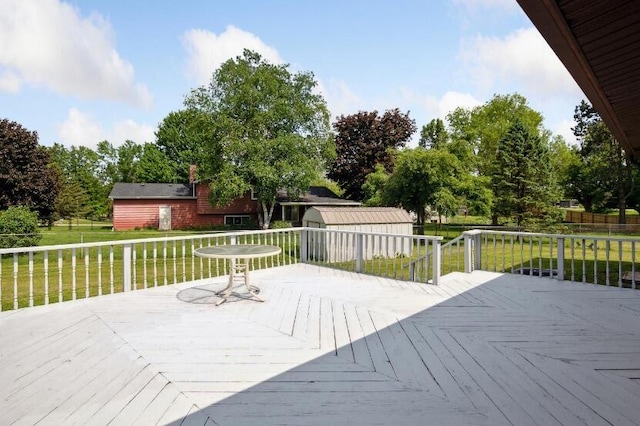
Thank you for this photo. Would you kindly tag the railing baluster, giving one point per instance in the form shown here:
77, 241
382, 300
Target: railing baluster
540, 256
134, 266
99, 271
86, 273
584, 260
573, 256
45, 260
607, 248
111, 272
184, 261
144, 265
165, 280
175, 263
73, 274
633, 265
595, 261
155, 264
30, 279
620, 264
15, 281
60, 296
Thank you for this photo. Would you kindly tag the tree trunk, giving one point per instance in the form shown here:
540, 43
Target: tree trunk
267, 213
420, 221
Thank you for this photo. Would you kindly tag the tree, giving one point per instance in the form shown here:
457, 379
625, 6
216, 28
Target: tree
155, 166
182, 137
481, 129
26, 177
19, 227
433, 134
128, 157
604, 173
72, 201
364, 140
373, 187
523, 181
80, 168
424, 178
268, 131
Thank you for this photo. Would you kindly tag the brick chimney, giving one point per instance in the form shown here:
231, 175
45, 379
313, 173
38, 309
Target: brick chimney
192, 174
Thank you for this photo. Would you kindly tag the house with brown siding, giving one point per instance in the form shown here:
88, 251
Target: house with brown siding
178, 206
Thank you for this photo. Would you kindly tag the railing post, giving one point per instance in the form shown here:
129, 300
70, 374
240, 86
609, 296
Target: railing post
477, 249
126, 267
359, 252
436, 261
304, 238
468, 251
560, 252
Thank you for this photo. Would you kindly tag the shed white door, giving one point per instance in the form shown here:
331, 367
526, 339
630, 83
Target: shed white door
164, 218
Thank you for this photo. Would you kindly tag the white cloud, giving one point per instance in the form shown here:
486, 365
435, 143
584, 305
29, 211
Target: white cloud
206, 51
81, 129
341, 100
522, 58
563, 128
48, 43
9, 82
439, 108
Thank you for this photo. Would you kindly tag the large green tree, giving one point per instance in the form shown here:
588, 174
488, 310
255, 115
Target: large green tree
523, 179
269, 130
26, 176
424, 178
364, 140
155, 166
604, 177
182, 138
433, 134
80, 169
480, 130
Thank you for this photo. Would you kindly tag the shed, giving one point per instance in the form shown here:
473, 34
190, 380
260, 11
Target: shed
388, 232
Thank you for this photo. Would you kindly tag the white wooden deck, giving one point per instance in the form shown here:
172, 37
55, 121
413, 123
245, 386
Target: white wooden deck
329, 347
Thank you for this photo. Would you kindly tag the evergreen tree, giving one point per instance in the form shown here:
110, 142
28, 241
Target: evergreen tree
523, 181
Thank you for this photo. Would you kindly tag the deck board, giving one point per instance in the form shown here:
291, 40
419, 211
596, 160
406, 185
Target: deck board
330, 347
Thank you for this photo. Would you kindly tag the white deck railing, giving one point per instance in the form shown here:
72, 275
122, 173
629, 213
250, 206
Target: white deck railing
606, 260
397, 256
31, 276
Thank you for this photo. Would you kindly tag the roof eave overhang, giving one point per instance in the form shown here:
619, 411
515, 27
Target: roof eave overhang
551, 23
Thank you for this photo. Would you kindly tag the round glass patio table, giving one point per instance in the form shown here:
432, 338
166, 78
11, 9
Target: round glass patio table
239, 255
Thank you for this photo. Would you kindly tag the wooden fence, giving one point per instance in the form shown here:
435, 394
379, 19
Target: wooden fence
595, 218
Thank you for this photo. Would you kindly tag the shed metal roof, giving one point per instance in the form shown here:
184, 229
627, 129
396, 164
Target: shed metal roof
136, 191
362, 215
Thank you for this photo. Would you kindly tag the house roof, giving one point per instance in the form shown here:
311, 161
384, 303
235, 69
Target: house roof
357, 215
135, 191
317, 195
599, 44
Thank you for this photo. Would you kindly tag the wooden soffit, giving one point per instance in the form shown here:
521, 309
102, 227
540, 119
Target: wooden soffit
598, 41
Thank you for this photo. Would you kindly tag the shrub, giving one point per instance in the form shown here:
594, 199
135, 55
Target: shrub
19, 227
280, 224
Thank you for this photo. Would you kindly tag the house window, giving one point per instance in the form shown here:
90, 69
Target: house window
237, 220
254, 194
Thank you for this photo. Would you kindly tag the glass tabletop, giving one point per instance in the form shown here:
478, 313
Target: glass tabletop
238, 251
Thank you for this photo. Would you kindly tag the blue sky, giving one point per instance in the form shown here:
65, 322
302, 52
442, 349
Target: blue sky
81, 71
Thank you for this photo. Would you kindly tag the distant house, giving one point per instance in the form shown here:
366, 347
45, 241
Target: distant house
173, 206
